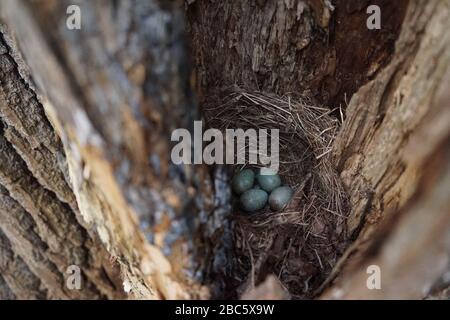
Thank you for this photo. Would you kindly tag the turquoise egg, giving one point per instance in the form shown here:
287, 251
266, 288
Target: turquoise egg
280, 197
253, 200
268, 182
243, 181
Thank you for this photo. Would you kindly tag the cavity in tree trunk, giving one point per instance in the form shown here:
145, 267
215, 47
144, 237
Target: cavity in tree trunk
86, 179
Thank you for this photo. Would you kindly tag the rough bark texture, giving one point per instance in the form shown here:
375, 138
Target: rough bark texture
86, 116
38, 208
392, 153
36, 197
85, 191
312, 47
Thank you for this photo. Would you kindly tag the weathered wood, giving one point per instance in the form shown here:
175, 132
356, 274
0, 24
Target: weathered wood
321, 48
396, 131
86, 117
19, 281
410, 249
95, 168
33, 185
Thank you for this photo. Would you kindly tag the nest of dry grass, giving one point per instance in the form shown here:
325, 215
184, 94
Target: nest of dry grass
301, 244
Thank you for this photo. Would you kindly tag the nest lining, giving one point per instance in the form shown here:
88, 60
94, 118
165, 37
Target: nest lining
301, 243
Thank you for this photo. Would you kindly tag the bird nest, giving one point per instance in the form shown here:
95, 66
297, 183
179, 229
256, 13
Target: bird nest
301, 243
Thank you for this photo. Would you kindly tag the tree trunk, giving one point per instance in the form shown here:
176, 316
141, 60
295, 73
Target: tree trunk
78, 160
86, 117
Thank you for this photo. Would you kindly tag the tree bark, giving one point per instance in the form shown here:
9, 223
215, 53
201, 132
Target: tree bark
86, 117
393, 155
99, 118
